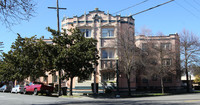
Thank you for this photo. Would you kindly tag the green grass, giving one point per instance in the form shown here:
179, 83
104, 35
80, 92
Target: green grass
149, 94
198, 91
158, 94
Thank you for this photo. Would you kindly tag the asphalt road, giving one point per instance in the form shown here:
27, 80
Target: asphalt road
20, 99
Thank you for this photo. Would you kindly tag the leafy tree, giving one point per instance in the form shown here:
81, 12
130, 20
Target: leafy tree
13, 11
76, 55
27, 57
197, 79
59, 54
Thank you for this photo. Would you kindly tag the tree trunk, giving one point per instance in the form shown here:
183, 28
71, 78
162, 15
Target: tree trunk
188, 85
129, 87
59, 83
186, 72
162, 85
71, 85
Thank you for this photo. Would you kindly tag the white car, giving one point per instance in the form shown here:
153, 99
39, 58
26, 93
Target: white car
18, 89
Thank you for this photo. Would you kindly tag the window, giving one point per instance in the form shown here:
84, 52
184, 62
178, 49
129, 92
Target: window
166, 46
87, 32
106, 76
49, 42
154, 77
107, 64
54, 78
144, 46
167, 79
104, 54
153, 61
45, 78
104, 65
144, 80
107, 32
166, 62
107, 53
154, 45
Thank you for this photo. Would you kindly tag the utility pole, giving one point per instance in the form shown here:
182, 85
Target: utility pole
58, 25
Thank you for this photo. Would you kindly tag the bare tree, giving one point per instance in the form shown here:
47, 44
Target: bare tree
126, 46
13, 11
190, 50
145, 31
157, 56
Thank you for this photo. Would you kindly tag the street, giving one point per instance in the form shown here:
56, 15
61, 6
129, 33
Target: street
20, 99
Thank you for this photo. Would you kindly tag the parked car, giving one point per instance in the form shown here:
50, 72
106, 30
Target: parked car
18, 89
5, 88
38, 87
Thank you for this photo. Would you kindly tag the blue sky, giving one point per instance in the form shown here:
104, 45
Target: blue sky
170, 18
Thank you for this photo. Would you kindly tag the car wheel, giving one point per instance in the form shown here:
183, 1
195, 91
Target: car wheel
24, 91
35, 92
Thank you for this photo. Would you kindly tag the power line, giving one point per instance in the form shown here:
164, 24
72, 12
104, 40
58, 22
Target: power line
131, 6
192, 5
151, 8
187, 10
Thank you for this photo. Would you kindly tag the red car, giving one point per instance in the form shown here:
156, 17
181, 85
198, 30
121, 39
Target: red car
38, 87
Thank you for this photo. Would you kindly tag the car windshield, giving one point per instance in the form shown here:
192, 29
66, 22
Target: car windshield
38, 83
17, 86
4, 86
30, 83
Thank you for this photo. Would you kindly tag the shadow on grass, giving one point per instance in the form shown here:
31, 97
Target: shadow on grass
116, 102
136, 94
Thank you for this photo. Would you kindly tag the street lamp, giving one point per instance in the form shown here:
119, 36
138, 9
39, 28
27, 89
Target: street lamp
117, 80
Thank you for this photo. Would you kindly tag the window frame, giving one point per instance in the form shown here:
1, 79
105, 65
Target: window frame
85, 30
110, 53
54, 78
165, 60
166, 46
107, 32
144, 47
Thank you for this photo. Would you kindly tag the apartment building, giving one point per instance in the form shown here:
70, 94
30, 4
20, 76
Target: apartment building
105, 28
108, 30
166, 55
